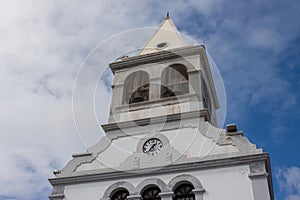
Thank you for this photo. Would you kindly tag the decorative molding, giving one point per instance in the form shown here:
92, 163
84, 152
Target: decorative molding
199, 191
166, 194
261, 170
145, 121
176, 168
196, 71
155, 57
161, 102
56, 196
185, 177
152, 181
57, 192
258, 175
121, 184
134, 197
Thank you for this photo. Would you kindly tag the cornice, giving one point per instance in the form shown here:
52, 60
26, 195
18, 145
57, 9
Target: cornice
200, 165
155, 57
146, 121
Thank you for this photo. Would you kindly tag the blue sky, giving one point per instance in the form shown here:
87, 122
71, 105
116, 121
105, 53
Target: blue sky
253, 43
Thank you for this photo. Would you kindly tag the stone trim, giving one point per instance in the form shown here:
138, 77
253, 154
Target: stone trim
166, 194
161, 101
56, 197
121, 184
261, 170
183, 178
195, 71
258, 175
57, 192
154, 80
134, 197
145, 121
199, 191
200, 165
155, 57
152, 181
167, 191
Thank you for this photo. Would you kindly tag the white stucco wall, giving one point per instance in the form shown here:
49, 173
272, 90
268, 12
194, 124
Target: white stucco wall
187, 141
230, 183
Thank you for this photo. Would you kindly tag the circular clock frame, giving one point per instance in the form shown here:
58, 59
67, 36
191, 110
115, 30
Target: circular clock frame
152, 146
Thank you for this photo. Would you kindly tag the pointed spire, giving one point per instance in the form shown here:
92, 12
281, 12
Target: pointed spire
168, 15
166, 37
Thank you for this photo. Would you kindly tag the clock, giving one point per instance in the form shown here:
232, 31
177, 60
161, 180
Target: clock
152, 146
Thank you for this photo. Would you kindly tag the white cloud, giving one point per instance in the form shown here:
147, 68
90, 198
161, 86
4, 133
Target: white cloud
289, 182
264, 38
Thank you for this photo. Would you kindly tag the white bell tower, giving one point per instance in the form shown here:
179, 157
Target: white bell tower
162, 140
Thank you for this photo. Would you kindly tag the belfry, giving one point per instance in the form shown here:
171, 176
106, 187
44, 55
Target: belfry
162, 139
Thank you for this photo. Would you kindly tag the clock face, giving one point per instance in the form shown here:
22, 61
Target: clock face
152, 146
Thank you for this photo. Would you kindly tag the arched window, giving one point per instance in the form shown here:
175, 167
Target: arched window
136, 88
120, 195
184, 192
174, 81
151, 193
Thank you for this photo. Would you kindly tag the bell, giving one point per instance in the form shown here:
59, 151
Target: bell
137, 97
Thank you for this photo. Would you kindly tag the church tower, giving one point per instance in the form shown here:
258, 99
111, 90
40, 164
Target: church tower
162, 140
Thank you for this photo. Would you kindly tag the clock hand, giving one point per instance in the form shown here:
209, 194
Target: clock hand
148, 148
152, 146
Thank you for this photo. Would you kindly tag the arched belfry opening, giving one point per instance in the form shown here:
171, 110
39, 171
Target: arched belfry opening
174, 81
136, 88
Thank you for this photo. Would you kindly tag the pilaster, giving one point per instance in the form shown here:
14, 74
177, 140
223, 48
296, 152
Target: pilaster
166, 195
199, 193
155, 85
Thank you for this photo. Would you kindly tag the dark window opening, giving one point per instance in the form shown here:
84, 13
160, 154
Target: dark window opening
184, 192
136, 88
166, 92
120, 195
174, 81
151, 193
140, 95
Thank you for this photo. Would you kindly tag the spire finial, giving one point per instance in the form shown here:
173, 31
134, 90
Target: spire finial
168, 15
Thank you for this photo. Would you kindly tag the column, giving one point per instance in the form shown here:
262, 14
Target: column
196, 102
199, 193
195, 82
155, 84
57, 192
166, 195
116, 100
259, 179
